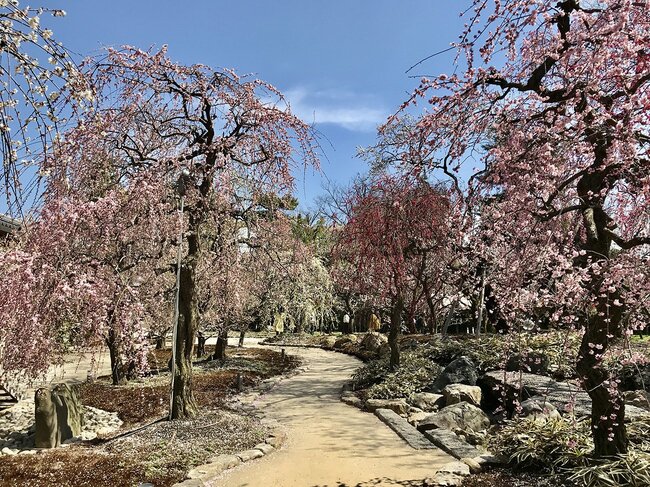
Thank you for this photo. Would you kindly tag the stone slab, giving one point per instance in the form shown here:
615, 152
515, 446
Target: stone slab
450, 443
404, 429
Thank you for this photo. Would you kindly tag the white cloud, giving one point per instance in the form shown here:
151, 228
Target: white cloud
351, 111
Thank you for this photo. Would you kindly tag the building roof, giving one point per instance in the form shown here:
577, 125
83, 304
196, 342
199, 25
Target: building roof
8, 225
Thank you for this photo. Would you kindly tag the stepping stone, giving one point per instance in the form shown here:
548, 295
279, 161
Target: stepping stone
450, 443
404, 429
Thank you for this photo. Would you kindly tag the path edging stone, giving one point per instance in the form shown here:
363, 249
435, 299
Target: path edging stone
201, 476
404, 429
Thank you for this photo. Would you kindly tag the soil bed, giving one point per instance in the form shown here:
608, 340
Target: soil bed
162, 453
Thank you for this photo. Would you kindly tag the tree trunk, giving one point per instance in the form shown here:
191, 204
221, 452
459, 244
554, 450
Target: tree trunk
118, 372
603, 323
608, 404
481, 300
449, 317
242, 334
183, 403
432, 308
160, 342
220, 347
395, 324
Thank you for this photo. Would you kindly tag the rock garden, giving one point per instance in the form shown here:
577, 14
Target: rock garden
515, 413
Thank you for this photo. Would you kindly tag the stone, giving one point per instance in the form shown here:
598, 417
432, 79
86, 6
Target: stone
474, 466
372, 342
427, 401
452, 444
249, 455
69, 411
352, 401
530, 362
443, 480
58, 415
404, 430
225, 461
635, 377
8, 451
276, 439
539, 408
264, 448
490, 460
345, 339
639, 399
327, 342
463, 415
190, 483
448, 475
220, 464
459, 371
397, 405
455, 393
565, 396
47, 434
415, 418
633, 413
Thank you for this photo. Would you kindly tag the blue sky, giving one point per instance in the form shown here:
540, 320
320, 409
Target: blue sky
340, 63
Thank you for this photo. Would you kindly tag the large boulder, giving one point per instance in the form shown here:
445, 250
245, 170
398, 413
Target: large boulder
635, 377
47, 433
372, 342
397, 405
455, 393
69, 411
531, 362
327, 342
639, 399
426, 401
463, 415
344, 340
539, 408
459, 371
58, 415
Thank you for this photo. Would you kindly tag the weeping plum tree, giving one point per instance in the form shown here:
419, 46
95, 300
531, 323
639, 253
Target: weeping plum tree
38, 78
225, 132
559, 92
392, 222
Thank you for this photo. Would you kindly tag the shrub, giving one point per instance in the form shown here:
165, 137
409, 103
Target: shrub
371, 373
548, 445
414, 374
632, 470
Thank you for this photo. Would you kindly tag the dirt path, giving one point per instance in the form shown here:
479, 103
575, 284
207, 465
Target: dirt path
329, 443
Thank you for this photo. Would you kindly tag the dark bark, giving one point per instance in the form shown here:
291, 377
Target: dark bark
160, 342
118, 371
242, 335
608, 405
603, 324
220, 347
200, 349
395, 324
183, 403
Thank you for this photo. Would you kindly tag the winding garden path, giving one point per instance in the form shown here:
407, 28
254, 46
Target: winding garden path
329, 444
